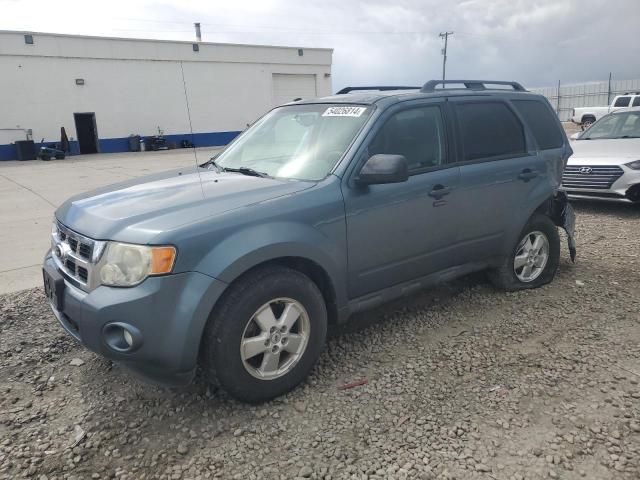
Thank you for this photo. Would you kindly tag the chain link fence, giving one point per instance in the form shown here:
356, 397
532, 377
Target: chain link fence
564, 98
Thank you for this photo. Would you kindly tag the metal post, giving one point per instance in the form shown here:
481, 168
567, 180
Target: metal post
444, 35
558, 103
198, 32
609, 91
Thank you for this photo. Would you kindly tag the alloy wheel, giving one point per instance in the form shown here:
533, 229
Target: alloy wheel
275, 338
531, 256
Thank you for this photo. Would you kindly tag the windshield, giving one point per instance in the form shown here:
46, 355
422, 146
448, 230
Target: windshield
298, 141
617, 125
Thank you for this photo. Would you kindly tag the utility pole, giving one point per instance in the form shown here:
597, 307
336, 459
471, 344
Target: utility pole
444, 35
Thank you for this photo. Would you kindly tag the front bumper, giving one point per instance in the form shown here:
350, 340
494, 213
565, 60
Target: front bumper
167, 314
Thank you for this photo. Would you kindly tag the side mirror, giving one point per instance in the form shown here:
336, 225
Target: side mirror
384, 168
575, 136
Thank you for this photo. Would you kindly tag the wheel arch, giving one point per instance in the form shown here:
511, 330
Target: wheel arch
587, 116
311, 269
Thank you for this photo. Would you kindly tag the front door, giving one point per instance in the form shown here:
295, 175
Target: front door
398, 232
87, 132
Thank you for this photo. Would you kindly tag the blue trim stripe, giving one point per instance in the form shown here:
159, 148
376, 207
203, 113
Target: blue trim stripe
114, 145
8, 152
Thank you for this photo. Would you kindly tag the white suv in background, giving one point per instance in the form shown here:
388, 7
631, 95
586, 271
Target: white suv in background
606, 159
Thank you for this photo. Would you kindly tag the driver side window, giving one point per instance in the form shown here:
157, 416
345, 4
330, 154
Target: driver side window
417, 134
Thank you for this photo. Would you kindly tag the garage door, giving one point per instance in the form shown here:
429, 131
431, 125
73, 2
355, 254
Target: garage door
287, 88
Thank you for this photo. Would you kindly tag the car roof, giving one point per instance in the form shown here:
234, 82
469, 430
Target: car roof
390, 95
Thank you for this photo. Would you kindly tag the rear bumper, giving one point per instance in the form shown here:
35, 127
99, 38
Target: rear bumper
166, 316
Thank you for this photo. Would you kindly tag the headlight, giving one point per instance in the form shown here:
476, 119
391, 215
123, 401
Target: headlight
635, 164
126, 265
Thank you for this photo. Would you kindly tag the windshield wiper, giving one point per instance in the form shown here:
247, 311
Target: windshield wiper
243, 170
247, 171
212, 163
629, 136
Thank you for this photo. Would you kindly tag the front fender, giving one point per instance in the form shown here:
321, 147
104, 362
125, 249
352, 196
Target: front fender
257, 244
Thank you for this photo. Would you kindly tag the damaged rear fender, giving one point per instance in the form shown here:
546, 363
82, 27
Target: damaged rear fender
563, 215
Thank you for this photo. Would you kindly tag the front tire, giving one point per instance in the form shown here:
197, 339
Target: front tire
533, 260
265, 335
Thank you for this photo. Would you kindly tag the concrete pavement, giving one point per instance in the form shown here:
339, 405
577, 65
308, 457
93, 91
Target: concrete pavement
31, 191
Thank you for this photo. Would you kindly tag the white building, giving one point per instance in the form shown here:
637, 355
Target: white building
104, 89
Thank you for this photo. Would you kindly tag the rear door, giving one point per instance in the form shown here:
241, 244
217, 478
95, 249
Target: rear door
499, 169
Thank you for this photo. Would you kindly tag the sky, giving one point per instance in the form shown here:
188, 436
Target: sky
377, 42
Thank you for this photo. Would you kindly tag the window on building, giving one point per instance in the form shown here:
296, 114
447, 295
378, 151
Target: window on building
622, 102
417, 134
489, 129
542, 122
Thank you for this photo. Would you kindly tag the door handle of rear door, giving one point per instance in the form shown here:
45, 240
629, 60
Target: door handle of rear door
439, 191
527, 174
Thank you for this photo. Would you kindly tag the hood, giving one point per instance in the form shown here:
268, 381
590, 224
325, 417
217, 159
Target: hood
605, 152
137, 210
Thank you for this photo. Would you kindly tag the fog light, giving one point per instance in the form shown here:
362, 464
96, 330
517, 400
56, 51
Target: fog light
126, 335
122, 337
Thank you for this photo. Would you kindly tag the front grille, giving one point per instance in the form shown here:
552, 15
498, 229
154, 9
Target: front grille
74, 255
591, 177
85, 250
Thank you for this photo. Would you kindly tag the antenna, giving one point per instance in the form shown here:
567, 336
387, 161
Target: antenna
193, 143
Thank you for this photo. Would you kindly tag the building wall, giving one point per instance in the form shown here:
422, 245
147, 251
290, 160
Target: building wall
136, 87
593, 94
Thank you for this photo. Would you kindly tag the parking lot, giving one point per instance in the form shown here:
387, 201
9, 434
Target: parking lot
461, 382
31, 191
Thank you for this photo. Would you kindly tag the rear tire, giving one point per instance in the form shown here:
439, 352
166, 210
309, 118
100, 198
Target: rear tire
587, 122
265, 335
536, 263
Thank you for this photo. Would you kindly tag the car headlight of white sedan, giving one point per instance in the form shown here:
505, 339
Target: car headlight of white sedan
635, 165
127, 265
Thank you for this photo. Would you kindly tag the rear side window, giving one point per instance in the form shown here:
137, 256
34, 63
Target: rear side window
636, 102
489, 129
622, 102
542, 123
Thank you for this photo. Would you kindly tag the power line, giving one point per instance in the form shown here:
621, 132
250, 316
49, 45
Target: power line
444, 35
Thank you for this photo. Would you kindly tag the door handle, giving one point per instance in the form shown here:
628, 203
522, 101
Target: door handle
527, 174
439, 191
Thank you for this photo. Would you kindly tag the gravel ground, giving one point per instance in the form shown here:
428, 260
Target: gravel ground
463, 382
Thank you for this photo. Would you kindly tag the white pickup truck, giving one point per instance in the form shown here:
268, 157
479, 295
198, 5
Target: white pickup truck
585, 116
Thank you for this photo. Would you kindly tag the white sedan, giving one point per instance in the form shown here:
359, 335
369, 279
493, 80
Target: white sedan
606, 159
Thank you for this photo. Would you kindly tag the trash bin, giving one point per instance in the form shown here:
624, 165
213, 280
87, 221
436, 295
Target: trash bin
26, 150
134, 143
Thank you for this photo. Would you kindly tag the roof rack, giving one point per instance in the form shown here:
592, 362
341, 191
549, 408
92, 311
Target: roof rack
430, 86
379, 88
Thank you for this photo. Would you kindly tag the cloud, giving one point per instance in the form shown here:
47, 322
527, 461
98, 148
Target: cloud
378, 42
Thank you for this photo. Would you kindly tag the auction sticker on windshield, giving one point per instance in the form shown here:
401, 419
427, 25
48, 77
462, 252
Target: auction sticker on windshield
344, 111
